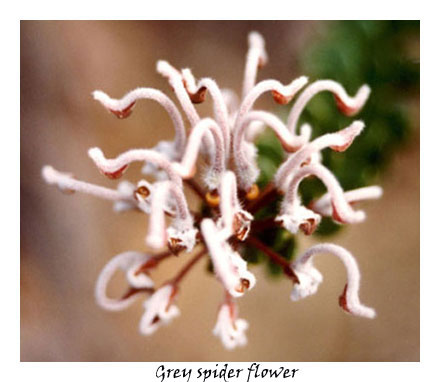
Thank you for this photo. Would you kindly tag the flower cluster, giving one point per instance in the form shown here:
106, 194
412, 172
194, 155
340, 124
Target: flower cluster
216, 159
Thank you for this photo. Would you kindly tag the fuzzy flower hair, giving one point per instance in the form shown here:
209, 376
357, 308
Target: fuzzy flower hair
215, 158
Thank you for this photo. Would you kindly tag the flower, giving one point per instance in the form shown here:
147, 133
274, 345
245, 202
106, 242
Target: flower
217, 161
129, 262
181, 234
310, 278
229, 328
323, 205
296, 217
158, 310
229, 267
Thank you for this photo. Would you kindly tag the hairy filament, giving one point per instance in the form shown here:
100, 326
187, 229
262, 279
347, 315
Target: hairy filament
256, 57
323, 205
236, 221
284, 93
220, 108
110, 167
346, 104
229, 328
228, 200
176, 81
127, 103
247, 170
66, 182
229, 267
186, 168
128, 262
338, 141
349, 300
159, 310
157, 235
342, 210
289, 141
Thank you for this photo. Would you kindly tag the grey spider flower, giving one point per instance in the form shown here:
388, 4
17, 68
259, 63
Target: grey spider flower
227, 187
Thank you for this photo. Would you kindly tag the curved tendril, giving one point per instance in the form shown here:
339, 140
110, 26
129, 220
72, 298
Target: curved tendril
323, 205
346, 104
186, 168
126, 261
246, 169
342, 210
220, 108
229, 328
115, 167
229, 202
236, 221
256, 57
176, 81
289, 141
67, 183
159, 310
349, 300
125, 104
229, 267
338, 141
157, 236
283, 92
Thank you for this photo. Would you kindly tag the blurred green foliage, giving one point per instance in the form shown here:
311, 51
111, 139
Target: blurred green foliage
382, 54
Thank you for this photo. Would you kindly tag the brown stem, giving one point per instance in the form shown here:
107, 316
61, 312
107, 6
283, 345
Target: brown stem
131, 291
153, 261
228, 298
275, 257
197, 216
269, 193
176, 280
263, 224
195, 187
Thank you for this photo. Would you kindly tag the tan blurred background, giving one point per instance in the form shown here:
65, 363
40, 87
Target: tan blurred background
66, 240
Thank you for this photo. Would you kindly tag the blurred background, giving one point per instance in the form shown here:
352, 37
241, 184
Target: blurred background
66, 240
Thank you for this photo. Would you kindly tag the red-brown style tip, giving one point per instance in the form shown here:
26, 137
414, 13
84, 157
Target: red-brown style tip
124, 113
309, 226
116, 174
279, 98
343, 300
343, 108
